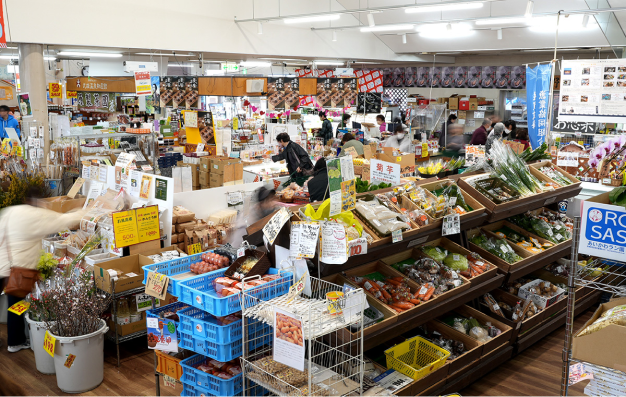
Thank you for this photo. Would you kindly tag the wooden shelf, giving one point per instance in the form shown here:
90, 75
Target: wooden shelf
539, 263
407, 323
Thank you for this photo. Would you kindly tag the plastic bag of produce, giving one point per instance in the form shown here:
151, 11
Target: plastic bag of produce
616, 315
323, 212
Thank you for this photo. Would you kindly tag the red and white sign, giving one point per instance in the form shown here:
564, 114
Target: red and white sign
382, 171
3, 36
143, 83
370, 80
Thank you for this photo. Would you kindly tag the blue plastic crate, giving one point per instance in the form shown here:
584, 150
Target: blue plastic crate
214, 385
204, 325
173, 267
220, 352
172, 306
193, 390
199, 292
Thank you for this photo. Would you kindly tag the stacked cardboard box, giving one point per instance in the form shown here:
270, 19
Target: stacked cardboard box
187, 230
225, 171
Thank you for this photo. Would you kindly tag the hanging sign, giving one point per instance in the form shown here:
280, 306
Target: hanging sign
537, 94
156, 285
148, 225
49, 342
602, 231
3, 36
275, 224
334, 244
143, 83
125, 228
54, 89
303, 238
71, 94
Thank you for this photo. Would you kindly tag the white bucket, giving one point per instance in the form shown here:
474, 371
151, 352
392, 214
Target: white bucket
87, 370
44, 361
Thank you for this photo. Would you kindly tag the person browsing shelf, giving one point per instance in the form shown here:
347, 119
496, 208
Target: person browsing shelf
295, 156
399, 140
479, 137
8, 121
347, 141
326, 131
318, 185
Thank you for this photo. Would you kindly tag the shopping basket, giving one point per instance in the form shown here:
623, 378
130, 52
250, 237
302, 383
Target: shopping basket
416, 357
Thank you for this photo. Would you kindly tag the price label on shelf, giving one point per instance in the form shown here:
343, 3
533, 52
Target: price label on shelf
20, 307
157, 285
241, 252
48, 343
144, 302
396, 236
297, 288
169, 381
194, 249
451, 225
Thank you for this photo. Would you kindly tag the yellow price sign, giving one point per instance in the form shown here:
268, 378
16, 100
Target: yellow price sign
48, 343
125, 228
148, 226
20, 307
157, 285
194, 249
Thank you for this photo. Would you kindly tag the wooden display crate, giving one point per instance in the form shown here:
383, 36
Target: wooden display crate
575, 182
510, 299
472, 345
493, 343
417, 253
475, 205
523, 204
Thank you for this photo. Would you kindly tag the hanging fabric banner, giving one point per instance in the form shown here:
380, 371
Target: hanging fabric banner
3, 36
537, 94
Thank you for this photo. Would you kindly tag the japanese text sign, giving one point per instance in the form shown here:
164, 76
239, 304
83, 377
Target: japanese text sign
382, 171
148, 225
304, 236
272, 228
603, 230
143, 83
20, 307
55, 90
162, 334
156, 285
48, 343
125, 228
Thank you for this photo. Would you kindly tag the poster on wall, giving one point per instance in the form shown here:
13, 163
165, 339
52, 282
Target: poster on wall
24, 102
447, 79
488, 77
191, 93
460, 77
179, 94
435, 77
397, 77
583, 127
410, 77
423, 77
503, 77
283, 92
474, 76
369, 102
387, 77
369, 80
153, 100
593, 90
205, 125
324, 91
518, 78
344, 93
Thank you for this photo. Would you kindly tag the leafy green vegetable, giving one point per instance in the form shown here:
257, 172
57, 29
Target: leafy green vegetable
454, 191
437, 253
498, 247
617, 196
456, 262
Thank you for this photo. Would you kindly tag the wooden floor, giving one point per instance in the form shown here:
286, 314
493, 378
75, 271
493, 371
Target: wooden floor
535, 372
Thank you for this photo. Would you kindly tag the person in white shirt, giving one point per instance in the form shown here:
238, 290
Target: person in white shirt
399, 140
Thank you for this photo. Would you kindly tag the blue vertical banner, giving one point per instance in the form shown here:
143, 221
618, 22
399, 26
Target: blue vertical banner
537, 94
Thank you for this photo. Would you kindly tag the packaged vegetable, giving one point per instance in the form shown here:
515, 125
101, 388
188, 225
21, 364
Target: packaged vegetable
456, 262
437, 253
616, 315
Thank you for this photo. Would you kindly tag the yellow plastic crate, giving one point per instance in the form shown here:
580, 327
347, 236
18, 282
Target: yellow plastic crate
416, 357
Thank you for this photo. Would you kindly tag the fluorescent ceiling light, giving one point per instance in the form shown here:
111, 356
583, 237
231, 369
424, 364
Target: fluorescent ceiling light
500, 21
444, 30
179, 65
334, 35
370, 20
329, 63
252, 64
319, 18
47, 58
529, 9
404, 38
9, 57
259, 28
384, 28
161, 54
585, 20
444, 7
284, 59
571, 24
90, 54
499, 34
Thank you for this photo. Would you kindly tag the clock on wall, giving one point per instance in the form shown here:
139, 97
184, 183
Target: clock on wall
85, 71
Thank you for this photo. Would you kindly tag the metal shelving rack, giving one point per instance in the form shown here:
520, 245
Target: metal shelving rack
612, 279
333, 355
153, 149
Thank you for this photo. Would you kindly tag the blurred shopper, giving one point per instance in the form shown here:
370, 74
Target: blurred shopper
444, 129
399, 140
479, 136
510, 129
496, 135
298, 160
522, 137
455, 145
347, 141
264, 203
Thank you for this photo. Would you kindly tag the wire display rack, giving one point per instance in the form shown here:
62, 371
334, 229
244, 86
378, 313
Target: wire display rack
600, 274
333, 355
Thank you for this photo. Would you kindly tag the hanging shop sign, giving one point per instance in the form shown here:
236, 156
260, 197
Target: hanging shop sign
283, 92
143, 83
71, 94
369, 80
537, 94
593, 90
96, 101
55, 91
162, 334
603, 230
103, 84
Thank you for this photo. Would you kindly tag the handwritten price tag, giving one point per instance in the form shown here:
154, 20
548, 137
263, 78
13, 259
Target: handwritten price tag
70, 360
194, 249
20, 307
297, 288
157, 285
241, 252
169, 381
48, 343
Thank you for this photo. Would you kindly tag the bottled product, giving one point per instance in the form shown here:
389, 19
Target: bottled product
123, 312
134, 314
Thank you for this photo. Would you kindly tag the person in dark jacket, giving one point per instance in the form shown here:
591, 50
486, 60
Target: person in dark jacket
510, 129
326, 131
318, 185
479, 137
298, 160
446, 127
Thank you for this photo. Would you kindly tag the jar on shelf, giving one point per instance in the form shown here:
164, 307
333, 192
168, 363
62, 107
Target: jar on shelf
123, 312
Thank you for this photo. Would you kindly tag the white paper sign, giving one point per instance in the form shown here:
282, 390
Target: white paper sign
303, 239
288, 344
347, 168
234, 198
567, 159
335, 202
33, 132
334, 244
382, 171
358, 246
272, 228
200, 147
135, 183
479, 115
451, 225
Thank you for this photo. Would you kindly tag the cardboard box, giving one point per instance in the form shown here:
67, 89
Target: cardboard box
127, 329
128, 264
473, 104
602, 347
205, 164
203, 178
406, 161
238, 171
220, 165
453, 103
62, 204
240, 182
217, 180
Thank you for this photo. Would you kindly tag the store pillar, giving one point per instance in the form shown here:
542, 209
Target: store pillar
33, 81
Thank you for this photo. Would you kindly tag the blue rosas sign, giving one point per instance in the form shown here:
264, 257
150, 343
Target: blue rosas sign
603, 231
